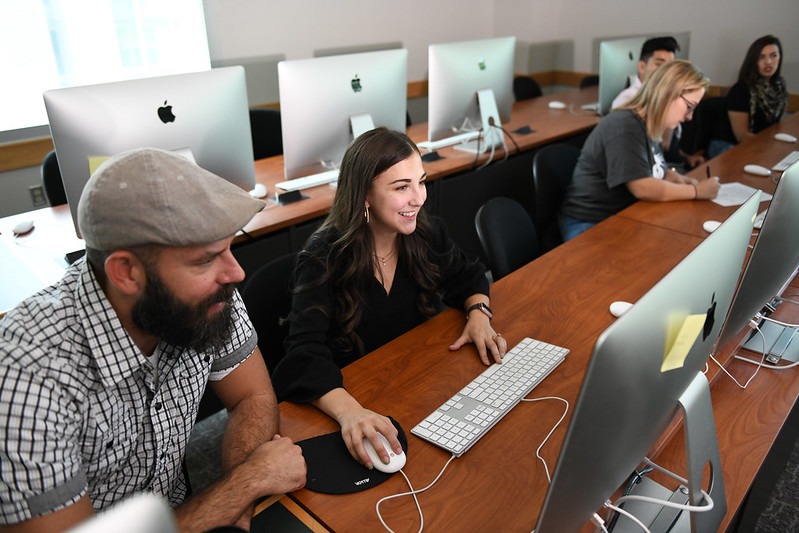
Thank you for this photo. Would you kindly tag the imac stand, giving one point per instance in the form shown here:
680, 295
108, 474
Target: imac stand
701, 448
361, 123
492, 134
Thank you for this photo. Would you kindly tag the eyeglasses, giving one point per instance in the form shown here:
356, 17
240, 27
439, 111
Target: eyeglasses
689, 104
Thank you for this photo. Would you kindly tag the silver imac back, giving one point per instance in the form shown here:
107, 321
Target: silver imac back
323, 98
773, 262
205, 112
627, 398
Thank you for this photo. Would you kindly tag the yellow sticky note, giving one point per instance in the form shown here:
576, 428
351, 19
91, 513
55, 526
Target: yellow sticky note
682, 343
96, 161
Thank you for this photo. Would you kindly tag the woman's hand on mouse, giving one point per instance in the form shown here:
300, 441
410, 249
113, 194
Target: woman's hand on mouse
356, 423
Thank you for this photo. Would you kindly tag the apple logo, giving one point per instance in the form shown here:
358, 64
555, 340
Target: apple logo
165, 113
710, 319
482, 63
356, 84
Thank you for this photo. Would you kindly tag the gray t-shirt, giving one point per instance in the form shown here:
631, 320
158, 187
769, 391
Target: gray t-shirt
616, 152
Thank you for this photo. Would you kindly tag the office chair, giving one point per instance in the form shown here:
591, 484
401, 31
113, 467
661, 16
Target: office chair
553, 166
710, 121
589, 81
51, 180
507, 235
525, 87
267, 132
267, 296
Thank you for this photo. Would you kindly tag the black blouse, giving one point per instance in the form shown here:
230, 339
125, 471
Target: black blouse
314, 358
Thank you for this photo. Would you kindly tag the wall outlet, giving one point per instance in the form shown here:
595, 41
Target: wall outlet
37, 196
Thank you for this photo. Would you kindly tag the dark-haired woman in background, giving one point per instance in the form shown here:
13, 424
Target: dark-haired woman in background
376, 268
759, 97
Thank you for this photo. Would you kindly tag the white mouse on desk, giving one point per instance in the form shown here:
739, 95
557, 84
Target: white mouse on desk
618, 308
711, 225
757, 170
785, 137
396, 461
555, 104
259, 191
22, 227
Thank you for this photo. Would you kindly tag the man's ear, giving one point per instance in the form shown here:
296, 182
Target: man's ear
125, 272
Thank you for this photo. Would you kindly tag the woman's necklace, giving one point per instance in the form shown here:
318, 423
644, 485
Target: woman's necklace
383, 260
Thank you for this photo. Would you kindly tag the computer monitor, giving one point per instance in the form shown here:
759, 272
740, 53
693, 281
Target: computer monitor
644, 368
202, 113
325, 102
470, 87
771, 266
618, 60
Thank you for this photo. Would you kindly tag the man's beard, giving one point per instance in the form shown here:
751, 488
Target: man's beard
159, 313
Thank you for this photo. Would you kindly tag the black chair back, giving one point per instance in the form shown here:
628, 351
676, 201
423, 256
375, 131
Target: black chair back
553, 166
507, 235
51, 180
267, 132
267, 296
525, 87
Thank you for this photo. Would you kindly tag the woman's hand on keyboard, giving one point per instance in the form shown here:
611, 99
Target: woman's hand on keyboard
491, 346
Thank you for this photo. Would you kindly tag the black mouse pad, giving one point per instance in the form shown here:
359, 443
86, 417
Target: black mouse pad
331, 468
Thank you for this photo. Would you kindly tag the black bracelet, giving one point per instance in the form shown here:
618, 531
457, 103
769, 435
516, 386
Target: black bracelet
482, 307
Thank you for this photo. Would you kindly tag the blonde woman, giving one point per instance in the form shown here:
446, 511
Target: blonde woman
622, 160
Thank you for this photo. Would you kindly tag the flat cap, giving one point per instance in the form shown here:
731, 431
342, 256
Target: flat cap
151, 196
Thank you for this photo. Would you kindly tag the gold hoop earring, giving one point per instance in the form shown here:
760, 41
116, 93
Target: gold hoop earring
366, 213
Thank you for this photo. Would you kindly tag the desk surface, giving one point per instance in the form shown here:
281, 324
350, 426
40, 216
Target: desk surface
561, 298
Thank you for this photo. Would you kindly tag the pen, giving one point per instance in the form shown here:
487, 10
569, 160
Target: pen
707, 171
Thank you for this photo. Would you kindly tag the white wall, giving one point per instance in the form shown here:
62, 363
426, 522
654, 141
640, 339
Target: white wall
720, 31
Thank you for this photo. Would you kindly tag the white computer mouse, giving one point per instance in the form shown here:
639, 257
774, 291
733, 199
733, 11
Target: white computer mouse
555, 104
396, 461
711, 225
785, 137
757, 170
619, 307
259, 191
22, 227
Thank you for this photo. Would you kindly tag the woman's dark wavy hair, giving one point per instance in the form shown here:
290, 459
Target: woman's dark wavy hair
349, 263
749, 72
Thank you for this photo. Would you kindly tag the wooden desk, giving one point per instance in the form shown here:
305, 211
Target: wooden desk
762, 149
562, 298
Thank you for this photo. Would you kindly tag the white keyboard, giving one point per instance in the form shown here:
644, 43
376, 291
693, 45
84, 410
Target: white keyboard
449, 141
469, 414
305, 182
786, 161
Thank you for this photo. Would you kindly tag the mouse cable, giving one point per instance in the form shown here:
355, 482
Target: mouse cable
413, 493
754, 326
551, 431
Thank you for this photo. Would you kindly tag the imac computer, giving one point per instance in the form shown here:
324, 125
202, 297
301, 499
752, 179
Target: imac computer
770, 268
618, 60
203, 115
646, 367
470, 93
326, 102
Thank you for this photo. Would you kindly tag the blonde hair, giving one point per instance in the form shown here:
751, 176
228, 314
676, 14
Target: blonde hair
667, 83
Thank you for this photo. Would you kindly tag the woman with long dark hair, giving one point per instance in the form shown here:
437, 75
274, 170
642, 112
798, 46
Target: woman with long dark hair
759, 97
376, 268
